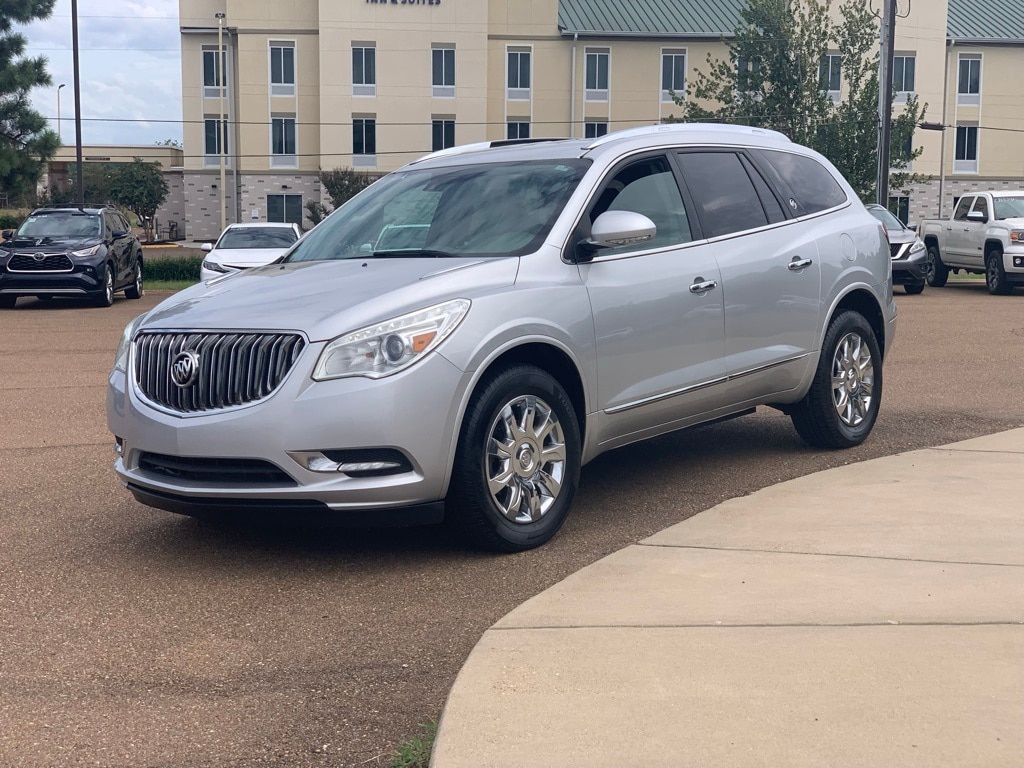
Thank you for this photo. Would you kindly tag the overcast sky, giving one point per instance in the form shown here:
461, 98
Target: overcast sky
130, 61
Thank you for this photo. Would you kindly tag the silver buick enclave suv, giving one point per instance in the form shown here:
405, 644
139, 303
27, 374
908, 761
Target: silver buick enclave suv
458, 339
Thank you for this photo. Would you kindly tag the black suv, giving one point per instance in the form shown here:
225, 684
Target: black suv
69, 251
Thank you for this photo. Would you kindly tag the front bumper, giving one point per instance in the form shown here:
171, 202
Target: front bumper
84, 279
1013, 264
415, 412
911, 270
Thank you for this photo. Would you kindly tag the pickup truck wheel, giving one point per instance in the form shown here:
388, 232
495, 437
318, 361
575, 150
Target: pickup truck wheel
995, 275
937, 273
842, 404
517, 464
913, 289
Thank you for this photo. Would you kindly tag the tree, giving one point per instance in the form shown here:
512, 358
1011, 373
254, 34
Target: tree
140, 187
342, 184
169, 143
777, 76
26, 144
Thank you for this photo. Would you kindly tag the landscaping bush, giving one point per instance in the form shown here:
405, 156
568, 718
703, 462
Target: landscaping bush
10, 221
179, 268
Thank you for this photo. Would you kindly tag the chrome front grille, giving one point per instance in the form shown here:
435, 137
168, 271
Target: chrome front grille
233, 368
40, 262
896, 249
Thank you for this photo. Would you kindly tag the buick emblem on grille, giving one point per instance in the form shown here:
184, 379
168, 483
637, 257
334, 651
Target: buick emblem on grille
185, 368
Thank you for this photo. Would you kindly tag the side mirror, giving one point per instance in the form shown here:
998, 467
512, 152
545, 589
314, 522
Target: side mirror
616, 228
8, 234
977, 216
206, 247
912, 227
117, 234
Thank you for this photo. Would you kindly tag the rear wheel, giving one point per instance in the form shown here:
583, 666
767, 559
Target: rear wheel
995, 275
913, 289
938, 273
105, 297
517, 464
842, 404
135, 290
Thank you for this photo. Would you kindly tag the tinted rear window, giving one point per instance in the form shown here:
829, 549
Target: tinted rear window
723, 191
813, 187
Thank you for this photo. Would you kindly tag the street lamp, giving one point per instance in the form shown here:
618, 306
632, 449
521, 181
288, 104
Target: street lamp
58, 107
221, 132
942, 160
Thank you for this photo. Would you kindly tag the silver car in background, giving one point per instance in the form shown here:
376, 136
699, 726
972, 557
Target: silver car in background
461, 337
909, 255
244, 246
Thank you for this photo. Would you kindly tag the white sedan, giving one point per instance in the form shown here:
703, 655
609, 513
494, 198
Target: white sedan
243, 246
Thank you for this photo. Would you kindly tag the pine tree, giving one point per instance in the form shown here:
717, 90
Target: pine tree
26, 143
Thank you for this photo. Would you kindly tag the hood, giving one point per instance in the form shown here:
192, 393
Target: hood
327, 298
1015, 223
900, 236
50, 243
246, 257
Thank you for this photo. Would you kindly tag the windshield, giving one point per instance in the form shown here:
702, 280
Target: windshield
884, 216
493, 209
257, 237
61, 224
1009, 207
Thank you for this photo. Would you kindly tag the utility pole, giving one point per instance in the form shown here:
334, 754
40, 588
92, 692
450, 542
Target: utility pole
222, 133
887, 45
78, 105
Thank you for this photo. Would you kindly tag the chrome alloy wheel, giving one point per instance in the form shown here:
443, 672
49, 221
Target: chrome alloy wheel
108, 287
525, 462
853, 380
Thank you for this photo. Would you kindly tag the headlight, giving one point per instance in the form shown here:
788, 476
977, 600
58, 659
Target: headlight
392, 346
917, 247
87, 251
213, 266
1017, 236
121, 359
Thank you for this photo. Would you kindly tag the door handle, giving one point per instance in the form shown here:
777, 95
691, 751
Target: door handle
797, 264
967, 229
700, 285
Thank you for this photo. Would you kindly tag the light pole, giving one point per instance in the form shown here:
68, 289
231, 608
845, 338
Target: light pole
58, 108
221, 132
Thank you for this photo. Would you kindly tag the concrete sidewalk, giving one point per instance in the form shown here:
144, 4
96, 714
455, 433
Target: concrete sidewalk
871, 615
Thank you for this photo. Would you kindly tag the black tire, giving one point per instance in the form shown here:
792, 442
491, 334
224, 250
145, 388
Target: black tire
914, 289
136, 290
938, 273
995, 275
816, 417
105, 297
8, 302
471, 508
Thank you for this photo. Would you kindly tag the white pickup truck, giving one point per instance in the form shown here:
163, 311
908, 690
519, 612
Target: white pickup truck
985, 235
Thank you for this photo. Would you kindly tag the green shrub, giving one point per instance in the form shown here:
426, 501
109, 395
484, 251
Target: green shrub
10, 221
180, 268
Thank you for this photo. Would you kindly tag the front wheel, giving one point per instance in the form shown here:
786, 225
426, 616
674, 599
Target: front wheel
135, 290
105, 298
937, 272
517, 464
995, 275
913, 289
842, 404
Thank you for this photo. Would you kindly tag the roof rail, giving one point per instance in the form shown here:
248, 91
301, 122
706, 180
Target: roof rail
670, 128
76, 206
464, 149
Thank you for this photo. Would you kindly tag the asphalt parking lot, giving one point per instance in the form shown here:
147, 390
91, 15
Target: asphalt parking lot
133, 637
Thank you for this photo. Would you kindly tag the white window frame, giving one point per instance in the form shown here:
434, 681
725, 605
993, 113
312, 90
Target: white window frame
901, 95
284, 206
591, 129
364, 160
364, 88
214, 91
967, 98
213, 160
442, 90
518, 93
444, 120
834, 59
509, 122
283, 88
666, 96
593, 56
284, 159
897, 198
964, 165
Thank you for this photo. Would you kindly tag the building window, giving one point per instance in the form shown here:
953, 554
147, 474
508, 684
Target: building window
591, 130
364, 70
442, 67
214, 141
968, 82
282, 143
213, 73
519, 74
903, 75
899, 206
830, 74
282, 69
444, 133
748, 75
364, 142
285, 208
966, 158
673, 73
518, 129
596, 74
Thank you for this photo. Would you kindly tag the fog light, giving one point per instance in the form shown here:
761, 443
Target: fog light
1018, 261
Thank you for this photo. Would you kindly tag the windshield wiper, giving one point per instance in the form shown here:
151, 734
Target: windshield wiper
411, 253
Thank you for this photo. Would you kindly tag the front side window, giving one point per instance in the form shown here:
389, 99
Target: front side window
723, 192
965, 158
61, 224
443, 134
673, 73
830, 73
492, 209
592, 130
981, 206
518, 73
282, 69
517, 129
364, 70
812, 186
968, 81
284, 208
442, 71
963, 205
282, 142
596, 75
649, 187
